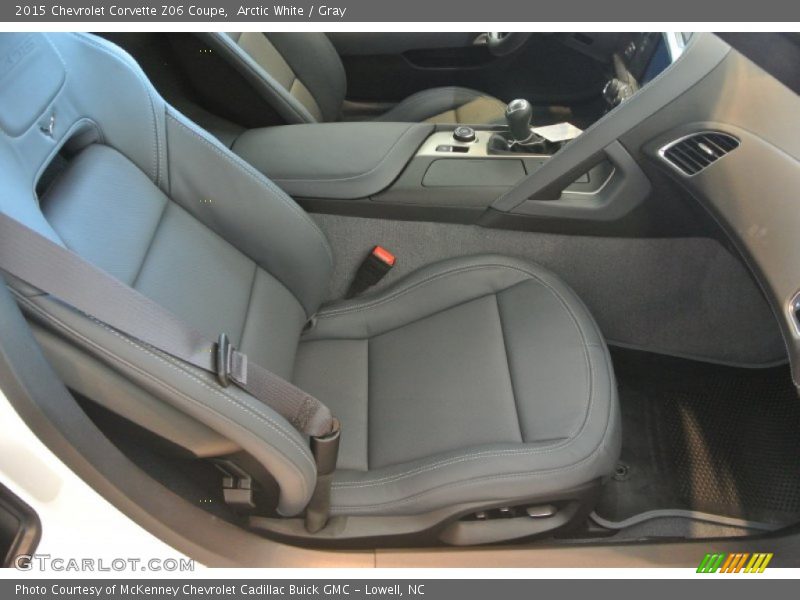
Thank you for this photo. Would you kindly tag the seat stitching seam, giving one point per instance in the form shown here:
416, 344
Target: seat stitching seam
468, 457
414, 320
488, 454
404, 290
256, 176
536, 473
456, 484
249, 302
150, 243
146, 85
519, 475
508, 366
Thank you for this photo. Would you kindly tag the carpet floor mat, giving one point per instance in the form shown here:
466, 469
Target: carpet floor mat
703, 437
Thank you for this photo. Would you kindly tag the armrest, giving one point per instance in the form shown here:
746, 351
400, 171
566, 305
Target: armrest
332, 160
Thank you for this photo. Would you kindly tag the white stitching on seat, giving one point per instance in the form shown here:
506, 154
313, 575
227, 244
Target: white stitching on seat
489, 454
157, 149
602, 444
460, 483
401, 291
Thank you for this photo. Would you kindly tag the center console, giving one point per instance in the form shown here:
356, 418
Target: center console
454, 173
466, 168
410, 170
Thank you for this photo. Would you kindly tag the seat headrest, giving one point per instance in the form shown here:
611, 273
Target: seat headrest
31, 75
70, 88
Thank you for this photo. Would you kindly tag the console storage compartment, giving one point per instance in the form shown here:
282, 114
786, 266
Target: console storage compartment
332, 160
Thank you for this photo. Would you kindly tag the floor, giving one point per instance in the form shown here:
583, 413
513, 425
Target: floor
703, 437
665, 295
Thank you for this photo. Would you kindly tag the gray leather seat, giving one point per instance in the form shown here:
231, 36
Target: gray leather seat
479, 377
302, 77
478, 380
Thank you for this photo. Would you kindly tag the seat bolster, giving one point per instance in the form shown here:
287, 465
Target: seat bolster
447, 105
313, 58
248, 210
505, 473
230, 411
425, 292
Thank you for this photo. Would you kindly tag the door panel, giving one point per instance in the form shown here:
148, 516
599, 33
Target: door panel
549, 69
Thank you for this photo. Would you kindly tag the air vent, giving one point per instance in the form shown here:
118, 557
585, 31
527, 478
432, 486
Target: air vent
693, 153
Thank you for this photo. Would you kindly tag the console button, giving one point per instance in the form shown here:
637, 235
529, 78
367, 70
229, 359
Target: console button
449, 148
464, 134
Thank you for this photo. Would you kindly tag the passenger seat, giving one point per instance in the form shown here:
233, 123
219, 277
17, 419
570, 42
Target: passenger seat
301, 76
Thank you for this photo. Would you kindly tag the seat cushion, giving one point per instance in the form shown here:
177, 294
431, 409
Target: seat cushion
475, 379
448, 105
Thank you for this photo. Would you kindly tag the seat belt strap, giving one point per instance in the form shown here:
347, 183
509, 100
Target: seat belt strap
40, 262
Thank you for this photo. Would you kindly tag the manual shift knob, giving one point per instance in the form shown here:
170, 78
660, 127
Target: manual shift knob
518, 116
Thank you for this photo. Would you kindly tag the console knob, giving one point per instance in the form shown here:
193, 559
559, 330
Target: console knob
518, 116
464, 134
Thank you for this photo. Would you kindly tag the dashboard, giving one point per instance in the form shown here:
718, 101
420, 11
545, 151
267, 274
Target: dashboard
751, 191
640, 59
749, 188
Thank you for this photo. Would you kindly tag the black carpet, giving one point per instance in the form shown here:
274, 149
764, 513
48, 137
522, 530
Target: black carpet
704, 437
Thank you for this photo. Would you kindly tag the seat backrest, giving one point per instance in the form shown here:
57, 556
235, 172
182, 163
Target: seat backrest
300, 75
92, 157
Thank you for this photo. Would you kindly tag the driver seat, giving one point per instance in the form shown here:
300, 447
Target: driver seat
481, 383
301, 76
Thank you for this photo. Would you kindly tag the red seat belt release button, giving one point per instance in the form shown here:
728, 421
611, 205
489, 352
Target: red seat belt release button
375, 266
383, 255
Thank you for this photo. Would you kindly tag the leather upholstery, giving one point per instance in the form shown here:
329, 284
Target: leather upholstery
139, 163
299, 74
332, 160
476, 379
302, 77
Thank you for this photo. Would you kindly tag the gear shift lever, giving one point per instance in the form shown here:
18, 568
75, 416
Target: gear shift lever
518, 116
520, 138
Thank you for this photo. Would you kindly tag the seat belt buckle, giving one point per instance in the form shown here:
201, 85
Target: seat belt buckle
374, 268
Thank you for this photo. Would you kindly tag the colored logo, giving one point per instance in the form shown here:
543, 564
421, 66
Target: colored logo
741, 562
